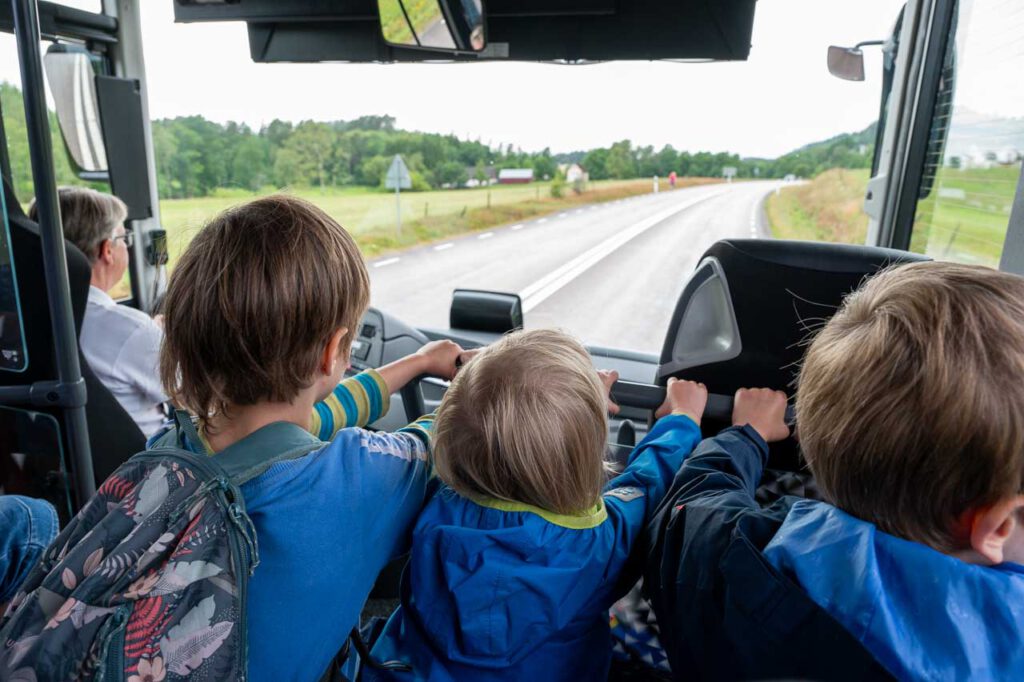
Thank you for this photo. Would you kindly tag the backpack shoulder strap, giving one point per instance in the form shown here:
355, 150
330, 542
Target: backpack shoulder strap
257, 452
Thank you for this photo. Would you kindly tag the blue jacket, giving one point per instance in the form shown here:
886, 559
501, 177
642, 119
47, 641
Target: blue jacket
801, 589
497, 590
326, 524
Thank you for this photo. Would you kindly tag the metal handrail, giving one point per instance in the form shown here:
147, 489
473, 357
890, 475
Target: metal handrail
58, 289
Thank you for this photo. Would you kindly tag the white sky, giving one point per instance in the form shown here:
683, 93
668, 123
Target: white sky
780, 99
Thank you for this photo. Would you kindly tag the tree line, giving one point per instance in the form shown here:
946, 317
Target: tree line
196, 156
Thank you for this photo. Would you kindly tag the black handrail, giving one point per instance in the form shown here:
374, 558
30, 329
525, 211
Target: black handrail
55, 268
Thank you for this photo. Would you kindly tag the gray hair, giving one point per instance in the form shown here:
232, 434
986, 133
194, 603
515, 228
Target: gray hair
89, 217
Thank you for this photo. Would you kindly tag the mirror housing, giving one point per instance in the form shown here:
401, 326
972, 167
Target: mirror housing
486, 311
72, 82
846, 62
453, 26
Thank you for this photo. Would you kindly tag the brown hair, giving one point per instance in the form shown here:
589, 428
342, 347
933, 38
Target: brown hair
89, 217
911, 399
254, 300
526, 422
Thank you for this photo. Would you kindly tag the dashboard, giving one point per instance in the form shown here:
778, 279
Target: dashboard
383, 338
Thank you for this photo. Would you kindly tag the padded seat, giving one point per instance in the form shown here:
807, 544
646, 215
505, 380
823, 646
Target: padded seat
113, 434
751, 308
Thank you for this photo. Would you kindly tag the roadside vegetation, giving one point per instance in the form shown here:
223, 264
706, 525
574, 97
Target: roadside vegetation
963, 218
426, 216
827, 208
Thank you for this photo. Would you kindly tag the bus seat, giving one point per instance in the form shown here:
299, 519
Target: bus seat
113, 434
751, 306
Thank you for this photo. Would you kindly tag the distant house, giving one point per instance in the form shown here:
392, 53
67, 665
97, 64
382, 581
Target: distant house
575, 173
509, 176
490, 176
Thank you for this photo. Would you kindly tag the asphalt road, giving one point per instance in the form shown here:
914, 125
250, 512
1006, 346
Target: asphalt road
610, 273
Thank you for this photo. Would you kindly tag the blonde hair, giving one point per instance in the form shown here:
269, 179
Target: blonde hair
254, 300
910, 403
525, 422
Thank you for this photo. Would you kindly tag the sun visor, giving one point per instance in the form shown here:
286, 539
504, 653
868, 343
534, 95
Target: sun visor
520, 30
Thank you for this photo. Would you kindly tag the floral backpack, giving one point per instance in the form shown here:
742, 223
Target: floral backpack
148, 582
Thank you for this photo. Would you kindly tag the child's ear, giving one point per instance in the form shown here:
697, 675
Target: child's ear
333, 352
993, 527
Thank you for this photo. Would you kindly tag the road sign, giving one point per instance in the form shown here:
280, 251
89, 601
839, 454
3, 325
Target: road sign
398, 179
398, 175
729, 172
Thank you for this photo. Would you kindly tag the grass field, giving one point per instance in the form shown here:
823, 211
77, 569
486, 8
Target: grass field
828, 208
963, 218
370, 214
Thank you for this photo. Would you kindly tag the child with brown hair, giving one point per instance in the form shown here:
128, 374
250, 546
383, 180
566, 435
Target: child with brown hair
516, 560
260, 316
910, 413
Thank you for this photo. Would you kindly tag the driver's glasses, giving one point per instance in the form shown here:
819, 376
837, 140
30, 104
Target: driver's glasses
128, 238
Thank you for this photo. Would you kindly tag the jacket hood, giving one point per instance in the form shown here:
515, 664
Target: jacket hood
489, 586
921, 614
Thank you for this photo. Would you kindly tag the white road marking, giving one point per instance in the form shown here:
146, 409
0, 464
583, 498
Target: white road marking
542, 220
516, 227
486, 235
386, 261
442, 247
542, 289
563, 215
578, 210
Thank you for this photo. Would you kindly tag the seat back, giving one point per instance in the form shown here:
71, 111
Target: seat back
113, 434
751, 307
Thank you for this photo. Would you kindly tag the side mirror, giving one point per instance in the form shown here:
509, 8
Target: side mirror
441, 25
73, 85
486, 311
846, 62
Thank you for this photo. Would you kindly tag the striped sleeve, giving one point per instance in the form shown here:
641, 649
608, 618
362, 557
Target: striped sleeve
422, 428
356, 401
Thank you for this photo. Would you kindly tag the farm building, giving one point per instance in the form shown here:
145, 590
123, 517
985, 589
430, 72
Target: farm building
508, 176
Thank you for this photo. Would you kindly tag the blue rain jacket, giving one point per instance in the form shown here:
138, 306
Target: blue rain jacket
496, 590
799, 590
924, 615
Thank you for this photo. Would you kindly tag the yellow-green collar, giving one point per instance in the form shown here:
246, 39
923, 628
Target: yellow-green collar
591, 518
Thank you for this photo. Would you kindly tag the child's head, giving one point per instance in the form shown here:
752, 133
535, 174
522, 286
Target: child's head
525, 421
262, 305
910, 407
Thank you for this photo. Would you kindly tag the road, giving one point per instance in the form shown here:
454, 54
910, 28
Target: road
610, 273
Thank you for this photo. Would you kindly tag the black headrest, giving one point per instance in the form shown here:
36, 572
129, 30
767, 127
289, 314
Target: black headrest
747, 312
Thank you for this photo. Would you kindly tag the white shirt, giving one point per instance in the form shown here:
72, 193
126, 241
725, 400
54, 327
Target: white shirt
122, 345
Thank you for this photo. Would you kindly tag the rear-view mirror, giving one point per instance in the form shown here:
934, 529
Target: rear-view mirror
441, 25
73, 86
486, 311
846, 63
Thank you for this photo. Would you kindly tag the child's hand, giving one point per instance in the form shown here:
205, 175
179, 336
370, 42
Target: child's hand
465, 356
438, 358
765, 411
608, 377
684, 397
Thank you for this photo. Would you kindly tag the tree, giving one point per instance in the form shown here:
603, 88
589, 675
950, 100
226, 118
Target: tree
452, 174
620, 163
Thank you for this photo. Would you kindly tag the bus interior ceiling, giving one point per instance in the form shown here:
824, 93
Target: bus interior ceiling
522, 30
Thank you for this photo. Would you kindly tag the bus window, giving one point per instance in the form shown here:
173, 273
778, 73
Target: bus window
964, 214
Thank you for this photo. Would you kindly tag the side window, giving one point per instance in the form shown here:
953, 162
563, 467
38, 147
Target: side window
965, 203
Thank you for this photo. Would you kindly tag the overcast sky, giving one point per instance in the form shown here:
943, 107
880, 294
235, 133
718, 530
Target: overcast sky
780, 99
